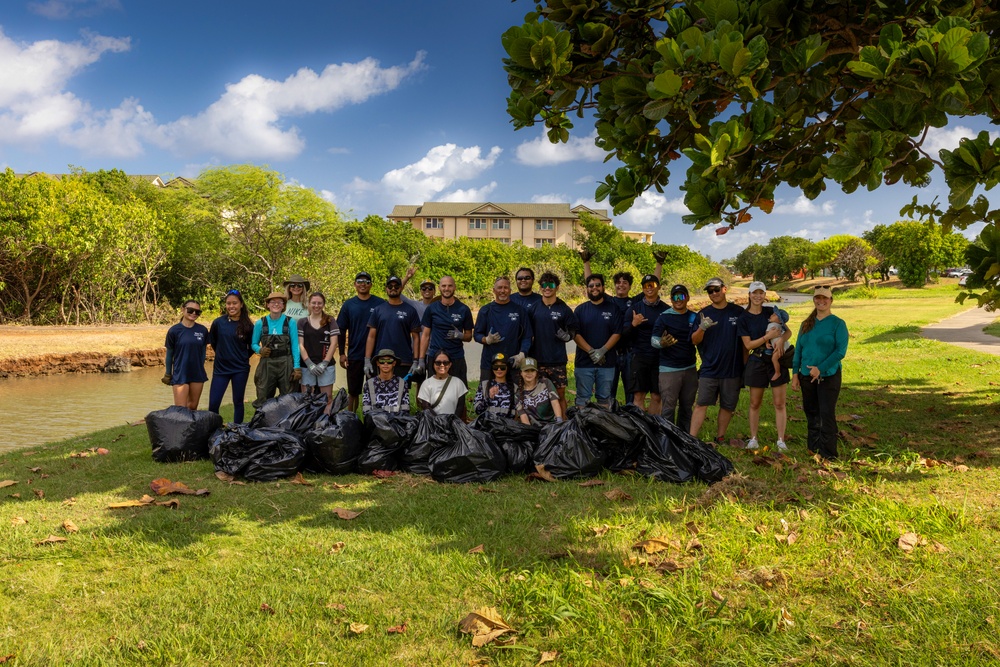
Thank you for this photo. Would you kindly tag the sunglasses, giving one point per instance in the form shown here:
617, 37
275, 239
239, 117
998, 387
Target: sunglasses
233, 292
520, 278
386, 360
547, 285
296, 285
713, 290
362, 281
593, 285
193, 311
678, 297
427, 287
500, 368
442, 363
393, 285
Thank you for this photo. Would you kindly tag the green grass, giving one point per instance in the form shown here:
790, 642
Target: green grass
994, 328
185, 586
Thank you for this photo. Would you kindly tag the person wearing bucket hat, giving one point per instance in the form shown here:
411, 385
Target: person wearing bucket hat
352, 320
386, 390
816, 370
394, 324
276, 340
296, 289
757, 375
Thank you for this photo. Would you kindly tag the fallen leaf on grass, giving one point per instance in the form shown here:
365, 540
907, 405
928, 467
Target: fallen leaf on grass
299, 479
938, 547
51, 539
15, 495
18, 521
396, 629
789, 539
848, 418
617, 494
785, 619
7, 482
173, 503
907, 541
485, 625
346, 514
655, 545
477, 550
39, 493
101, 451
670, 566
224, 476
357, 628
717, 596
164, 487
961, 468
145, 500
541, 472
265, 607
6, 658
337, 548
592, 482
335, 485
35, 469
484, 489
117, 438
547, 656
383, 474
600, 530
70, 527
692, 527
336, 605
694, 545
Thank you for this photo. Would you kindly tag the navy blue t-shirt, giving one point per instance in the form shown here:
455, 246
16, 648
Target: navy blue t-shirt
754, 326
511, 322
526, 302
639, 336
546, 348
353, 324
187, 346
393, 326
679, 325
232, 355
721, 349
441, 319
598, 322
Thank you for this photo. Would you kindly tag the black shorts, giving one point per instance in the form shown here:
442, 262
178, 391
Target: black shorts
724, 390
556, 374
355, 376
759, 371
645, 375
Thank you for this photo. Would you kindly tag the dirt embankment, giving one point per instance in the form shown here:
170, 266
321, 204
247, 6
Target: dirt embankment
80, 362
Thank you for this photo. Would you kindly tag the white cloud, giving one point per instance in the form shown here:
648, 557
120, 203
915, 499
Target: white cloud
728, 245
540, 152
652, 208
66, 9
337, 150
550, 198
804, 206
117, 133
948, 137
470, 194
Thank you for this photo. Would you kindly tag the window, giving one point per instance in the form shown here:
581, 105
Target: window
500, 223
433, 223
504, 241
544, 224
540, 243
477, 223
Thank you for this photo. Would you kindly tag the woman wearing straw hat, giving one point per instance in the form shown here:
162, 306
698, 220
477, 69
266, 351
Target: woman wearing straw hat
276, 340
296, 288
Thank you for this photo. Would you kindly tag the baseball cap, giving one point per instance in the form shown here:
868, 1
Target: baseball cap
393, 279
679, 289
363, 275
758, 285
427, 282
823, 290
529, 362
649, 278
715, 282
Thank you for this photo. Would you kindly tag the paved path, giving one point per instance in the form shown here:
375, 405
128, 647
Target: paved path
966, 330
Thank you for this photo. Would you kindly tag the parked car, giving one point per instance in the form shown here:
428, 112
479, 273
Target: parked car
951, 273
961, 281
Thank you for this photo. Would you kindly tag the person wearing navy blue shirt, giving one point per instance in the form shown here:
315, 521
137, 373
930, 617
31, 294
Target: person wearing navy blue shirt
525, 282
230, 336
446, 325
502, 326
554, 325
600, 326
394, 325
352, 320
675, 334
185, 361
644, 366
721, 350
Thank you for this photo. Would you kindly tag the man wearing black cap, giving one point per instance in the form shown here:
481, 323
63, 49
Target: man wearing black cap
721, 351
675, 334
644, 366
394, 325
353, 324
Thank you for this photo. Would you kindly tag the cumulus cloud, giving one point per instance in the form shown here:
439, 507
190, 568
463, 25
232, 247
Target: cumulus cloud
550, 198
540, 152
652, 208
470, 194
117, 133
804, 206
67, 9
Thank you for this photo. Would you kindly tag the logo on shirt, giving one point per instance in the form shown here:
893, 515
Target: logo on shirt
606, 315
456, 318
400, 315
199, 335
513, 317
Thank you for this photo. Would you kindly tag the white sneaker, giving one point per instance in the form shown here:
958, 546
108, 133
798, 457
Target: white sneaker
781, 445
752, 444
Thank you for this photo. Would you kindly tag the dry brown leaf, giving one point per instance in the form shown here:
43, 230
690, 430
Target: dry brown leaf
265, 607
51, 539
477, 550
600, 530
670, 566
717, 596
485, 489
907, 541
396, 629
961, 468
786, 619
336, 605
547, 656
299, 479
18, 521
223, 476
694, 544
592, 482
337, 548
761, 529
346, 514
543, 473
145, 500
384, 474
617, 494
335, 485
39, 493
7, 482
164, 487
692, 527
101, 451
70, 527
35, 469
938, 547
173, 503
485, 624
7, 658
357, 628
655, 545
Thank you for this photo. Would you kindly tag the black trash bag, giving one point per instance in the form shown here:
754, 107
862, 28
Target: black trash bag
433, 431
567, 450
334, 443
708, 465
388, 434
302, 418
661, 459
614, 432
258, 454
339, 401
516, 440
471, 456
180, 434
273, 410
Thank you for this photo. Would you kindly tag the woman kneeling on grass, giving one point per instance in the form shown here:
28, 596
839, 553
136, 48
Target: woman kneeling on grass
819, 349
539, 404
230, 337
185, 363
442, 393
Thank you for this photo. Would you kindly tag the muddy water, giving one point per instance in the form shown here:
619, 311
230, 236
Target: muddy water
37, 410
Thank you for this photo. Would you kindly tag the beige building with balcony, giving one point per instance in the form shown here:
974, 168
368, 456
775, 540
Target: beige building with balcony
534, 225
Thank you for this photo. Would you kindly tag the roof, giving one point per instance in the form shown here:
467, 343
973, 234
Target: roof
513, 210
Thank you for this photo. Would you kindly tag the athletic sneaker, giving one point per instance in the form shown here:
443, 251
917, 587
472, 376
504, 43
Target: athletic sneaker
781, 445
752, 444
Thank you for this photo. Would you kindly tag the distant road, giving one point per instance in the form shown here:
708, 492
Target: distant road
966, 330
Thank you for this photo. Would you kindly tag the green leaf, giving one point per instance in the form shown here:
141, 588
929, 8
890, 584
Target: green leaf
890, 38
668, 83
962, 188
657, 109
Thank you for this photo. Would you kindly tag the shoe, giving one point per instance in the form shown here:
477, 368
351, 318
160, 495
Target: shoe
719, 441
781, 445
752, 443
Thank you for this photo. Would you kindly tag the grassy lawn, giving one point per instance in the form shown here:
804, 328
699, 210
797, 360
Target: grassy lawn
785, 563
993, 329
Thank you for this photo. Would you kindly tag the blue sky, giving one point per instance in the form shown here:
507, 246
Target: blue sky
372, 104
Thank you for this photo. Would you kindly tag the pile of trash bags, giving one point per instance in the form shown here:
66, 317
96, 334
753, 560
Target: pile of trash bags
292, 433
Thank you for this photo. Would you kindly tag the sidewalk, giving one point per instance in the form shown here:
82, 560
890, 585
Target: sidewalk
966, 330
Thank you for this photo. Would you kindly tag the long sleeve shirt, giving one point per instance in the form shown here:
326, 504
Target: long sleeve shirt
824, 346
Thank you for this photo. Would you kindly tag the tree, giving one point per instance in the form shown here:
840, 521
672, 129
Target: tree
761, 92
913, 248
874, 238
856, 258
824, 253
745, 262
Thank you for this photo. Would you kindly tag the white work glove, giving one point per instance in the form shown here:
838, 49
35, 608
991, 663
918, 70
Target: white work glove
455, 334
563, 335
369, 369
492, 338
706, 323
517, 360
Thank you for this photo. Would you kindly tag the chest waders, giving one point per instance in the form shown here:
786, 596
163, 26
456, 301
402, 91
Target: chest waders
274, 372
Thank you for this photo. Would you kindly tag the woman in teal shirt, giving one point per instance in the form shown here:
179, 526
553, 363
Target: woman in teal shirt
819, 349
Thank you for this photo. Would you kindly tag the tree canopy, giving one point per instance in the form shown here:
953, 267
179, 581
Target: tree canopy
756, 93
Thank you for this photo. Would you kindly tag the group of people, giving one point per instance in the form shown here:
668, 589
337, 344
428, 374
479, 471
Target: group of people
648, 345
